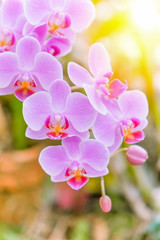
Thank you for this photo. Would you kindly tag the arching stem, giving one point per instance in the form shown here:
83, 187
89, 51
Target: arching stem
75, 88
117, 152
102, 186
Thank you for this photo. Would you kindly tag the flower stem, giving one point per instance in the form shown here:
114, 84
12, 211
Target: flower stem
102, 186
74, 88
120, 150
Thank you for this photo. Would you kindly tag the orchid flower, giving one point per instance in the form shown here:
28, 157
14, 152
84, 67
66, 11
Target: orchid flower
58, 113
61, 16
28, 70
10, 13
56, 46
75, 161
98, 87
126, 122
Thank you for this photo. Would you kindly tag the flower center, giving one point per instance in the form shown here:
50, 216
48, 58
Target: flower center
112, 89
57, 124
76, 173
129, 131
7, 38
24, 87
58, 22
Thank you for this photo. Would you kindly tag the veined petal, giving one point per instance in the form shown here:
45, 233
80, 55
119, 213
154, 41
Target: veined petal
94, 153
59, 92
82, 14
27, 48
36, 109
47, 69
79, 75
36, 10
134, 104
99, 60
80, 112
8, 68
53, 160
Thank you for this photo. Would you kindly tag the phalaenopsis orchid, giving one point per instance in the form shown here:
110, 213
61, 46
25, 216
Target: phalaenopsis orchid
33, 37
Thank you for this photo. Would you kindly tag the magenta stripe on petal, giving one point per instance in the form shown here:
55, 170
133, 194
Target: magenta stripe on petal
77, 182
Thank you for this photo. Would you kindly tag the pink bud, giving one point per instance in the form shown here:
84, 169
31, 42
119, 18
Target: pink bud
136, 155
105, 203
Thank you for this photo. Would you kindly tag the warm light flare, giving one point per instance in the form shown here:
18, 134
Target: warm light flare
145, 14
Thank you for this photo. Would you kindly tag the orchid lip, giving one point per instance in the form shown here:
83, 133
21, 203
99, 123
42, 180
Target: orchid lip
112, 89
129, 131
76, 174
57, 124
25, 87
58, 22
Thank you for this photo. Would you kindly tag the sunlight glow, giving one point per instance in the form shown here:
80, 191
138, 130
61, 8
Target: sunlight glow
144, 14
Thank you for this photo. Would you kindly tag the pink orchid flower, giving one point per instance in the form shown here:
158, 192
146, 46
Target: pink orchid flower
126, 122
75, 161
98, 87
28, 70
10, 13
56, 46
61, 16
58, 113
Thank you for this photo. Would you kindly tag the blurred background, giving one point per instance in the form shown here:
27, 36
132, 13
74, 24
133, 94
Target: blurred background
34, 208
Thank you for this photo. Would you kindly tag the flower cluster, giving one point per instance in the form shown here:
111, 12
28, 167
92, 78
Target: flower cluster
34, 34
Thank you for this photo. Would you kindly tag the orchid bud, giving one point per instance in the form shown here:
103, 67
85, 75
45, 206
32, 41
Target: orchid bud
105, 203
136, 155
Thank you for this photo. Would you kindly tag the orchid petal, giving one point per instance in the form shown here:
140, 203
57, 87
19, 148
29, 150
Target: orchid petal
36, 109
53, 160
95, 154
8, 68
71, 146
82, 14
79, 75
11, 9
99, 60
92, 172
27, 48
134, 104
80, 112
116, 88
36, 10
94, 98
117, 141
104, 128
59, 92
63, 45
40, 134
47, 69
